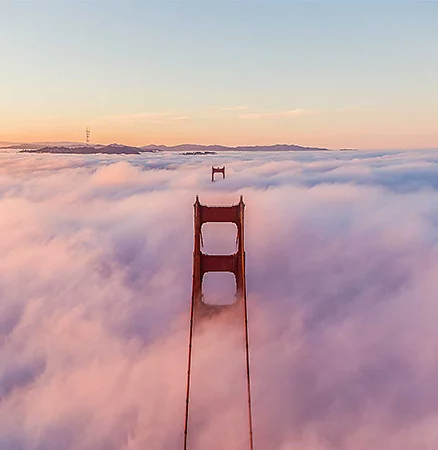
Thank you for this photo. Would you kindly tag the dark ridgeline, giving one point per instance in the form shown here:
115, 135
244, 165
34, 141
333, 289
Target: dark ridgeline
113, 149
222, 148
183, 149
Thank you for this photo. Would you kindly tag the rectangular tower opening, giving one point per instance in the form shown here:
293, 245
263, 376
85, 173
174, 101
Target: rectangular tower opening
219, 288
219, 238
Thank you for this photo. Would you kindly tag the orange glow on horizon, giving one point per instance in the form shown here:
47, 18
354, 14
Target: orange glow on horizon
366, 131
368, 141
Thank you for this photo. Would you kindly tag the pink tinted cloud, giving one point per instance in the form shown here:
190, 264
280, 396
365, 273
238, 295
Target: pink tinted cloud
95, 284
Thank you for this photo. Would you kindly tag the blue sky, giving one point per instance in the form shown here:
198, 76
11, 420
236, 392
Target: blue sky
361, 74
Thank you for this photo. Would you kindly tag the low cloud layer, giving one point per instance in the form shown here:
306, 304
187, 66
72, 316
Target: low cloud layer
95, 284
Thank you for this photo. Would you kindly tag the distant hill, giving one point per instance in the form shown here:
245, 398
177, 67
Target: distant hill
79, 148
23, 146
38, 145
113, 149
222, 148
4, 144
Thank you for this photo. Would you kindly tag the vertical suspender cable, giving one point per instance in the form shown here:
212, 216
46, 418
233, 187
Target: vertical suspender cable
248, 377
189, 366
243, 275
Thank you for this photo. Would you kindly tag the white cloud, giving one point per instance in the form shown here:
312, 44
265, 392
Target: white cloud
95, 278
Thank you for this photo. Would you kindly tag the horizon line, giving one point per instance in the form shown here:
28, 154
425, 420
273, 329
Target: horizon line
66, 143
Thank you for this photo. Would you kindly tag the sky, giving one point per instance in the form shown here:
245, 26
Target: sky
95, 287
360, 74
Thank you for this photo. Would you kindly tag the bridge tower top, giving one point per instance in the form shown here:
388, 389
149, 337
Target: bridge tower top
217, 170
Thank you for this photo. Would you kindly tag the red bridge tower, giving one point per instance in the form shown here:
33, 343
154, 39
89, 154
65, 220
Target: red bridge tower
204, 263
217, 170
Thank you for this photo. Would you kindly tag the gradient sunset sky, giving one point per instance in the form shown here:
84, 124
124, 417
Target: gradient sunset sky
361, 74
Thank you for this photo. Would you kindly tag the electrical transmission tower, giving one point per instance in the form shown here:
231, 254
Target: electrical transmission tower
201, 311
87, 136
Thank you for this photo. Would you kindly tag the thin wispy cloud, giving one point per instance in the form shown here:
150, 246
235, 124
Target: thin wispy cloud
181, 118
353, 109
233, 108
277, 114
151, 117
299, 112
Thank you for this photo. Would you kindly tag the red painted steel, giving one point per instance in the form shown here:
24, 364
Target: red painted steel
219, 263
204, 263
217, 170
219, 214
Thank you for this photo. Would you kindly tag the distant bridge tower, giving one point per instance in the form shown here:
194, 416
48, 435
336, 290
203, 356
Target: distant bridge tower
217, 170
201, 313
87, 136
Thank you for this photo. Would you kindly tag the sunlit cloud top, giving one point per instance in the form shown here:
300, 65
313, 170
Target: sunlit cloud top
95, 286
